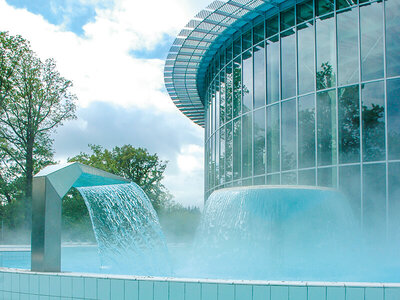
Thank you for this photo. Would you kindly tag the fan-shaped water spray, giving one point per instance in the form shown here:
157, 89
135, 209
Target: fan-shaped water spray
127, 230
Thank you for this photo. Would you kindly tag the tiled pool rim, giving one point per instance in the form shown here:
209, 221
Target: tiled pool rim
24, 284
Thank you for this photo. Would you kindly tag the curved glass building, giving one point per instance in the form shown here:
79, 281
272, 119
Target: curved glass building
297, 93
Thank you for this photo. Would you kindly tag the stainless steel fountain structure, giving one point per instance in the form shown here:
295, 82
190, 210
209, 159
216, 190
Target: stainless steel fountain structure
49, 186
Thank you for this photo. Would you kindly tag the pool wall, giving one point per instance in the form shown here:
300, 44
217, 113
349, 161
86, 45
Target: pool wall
22, 284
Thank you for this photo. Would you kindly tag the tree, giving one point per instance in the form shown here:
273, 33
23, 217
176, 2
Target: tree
136, 164
34, 100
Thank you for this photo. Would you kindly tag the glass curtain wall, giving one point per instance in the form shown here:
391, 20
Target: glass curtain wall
310, 96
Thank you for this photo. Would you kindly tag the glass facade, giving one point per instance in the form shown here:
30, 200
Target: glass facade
310, 95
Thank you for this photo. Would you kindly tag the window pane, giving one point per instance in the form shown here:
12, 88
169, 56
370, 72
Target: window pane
289, 178
229, 82
273, 144
371, 17
222, 98
237, 87
212, 181
259, 180
306, 131
373, 121
259, 142
216, 178
287, 19
326, 54
273, 70
271, 26
349, 124
324, 6
247, 81
394, 200
326, 128
246, 40
217, 103
304, 11
237, 149
305, 40
258, 33
247, 144
222, 155
345, 3
392, 38
393, 103
374, 202
229, 53
228, 152
213, 108
288, 61
307, 177
237, 47
327, 177
259, 76
273, 179
289, 135
350, 185
347, 26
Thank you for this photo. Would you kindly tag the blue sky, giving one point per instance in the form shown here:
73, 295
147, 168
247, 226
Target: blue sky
114, 51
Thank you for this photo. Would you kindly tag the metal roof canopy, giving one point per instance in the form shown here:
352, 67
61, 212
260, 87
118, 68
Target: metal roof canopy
199, 41
49, 186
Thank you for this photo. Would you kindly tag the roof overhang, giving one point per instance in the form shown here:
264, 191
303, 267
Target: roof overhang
198, 42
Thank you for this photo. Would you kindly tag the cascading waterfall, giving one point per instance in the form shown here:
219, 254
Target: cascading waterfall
276, 233
127, 230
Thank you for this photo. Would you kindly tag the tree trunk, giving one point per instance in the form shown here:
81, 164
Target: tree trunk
28, 182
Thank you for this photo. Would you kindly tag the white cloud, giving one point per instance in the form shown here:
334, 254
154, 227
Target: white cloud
101, 65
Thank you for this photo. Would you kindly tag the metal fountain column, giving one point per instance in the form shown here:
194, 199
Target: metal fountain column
49, 186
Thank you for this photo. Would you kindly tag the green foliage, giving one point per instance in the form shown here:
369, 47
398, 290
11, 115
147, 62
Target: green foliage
34, 100
136, 164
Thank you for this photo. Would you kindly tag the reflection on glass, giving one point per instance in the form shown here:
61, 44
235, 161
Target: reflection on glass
228, 152
216, 175
345, 3
374, 202
306, 132
258, 33
371, 20
394, 200
237, 47
271, 26
289, 178
326, 54
222, 155
213, 107
273, 179
349, 124
259, 142
287, 19
373, 121
305, 40
260, 180
327, 177
246, 40
229, 98
324, 6
237, 87
212, 161
237, 149
247, 144
289, 150
288, 61
392, 37
247, 88
222, 98
229, 53
273, 143
350, 185
259, 76
393, 112
347, 27
273, 70
217, 103
222, 58
304, 11
247, 182
326, 128
307, 177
